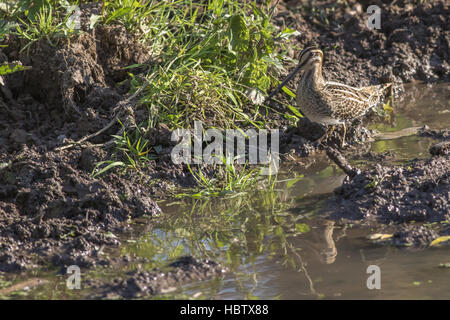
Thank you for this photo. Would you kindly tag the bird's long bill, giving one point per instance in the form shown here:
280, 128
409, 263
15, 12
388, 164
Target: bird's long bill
288, 78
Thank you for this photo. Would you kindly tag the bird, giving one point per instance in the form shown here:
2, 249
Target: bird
327, 102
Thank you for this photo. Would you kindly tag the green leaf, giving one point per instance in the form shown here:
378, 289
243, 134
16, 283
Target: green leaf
291, 182
111, 235
240, 35
439, 240
295, 111
302, 227
9, 68
118, 14
287, 33
289, 92
111, 165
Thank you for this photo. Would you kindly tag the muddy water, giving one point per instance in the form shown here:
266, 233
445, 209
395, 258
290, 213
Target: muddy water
276, 243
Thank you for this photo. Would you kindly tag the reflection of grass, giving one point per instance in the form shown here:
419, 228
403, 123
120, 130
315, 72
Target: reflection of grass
401, 122
404, 147
227, 180
234, 232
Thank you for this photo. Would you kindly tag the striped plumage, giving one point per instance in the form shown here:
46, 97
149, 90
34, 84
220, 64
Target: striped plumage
328, 102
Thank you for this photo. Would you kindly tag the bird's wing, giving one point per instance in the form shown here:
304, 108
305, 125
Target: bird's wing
347, 102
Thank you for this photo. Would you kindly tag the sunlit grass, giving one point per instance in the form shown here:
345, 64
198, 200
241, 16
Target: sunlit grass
211, 61
216, 60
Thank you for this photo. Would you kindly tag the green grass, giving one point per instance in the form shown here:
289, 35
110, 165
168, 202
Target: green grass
36, 20
8, 68
209, 67
216, 62
131, 152
212, 61
45, 25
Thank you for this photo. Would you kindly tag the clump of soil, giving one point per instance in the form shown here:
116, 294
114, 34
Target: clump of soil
414, 192
443, 134
441, 148
414, 236
71, 89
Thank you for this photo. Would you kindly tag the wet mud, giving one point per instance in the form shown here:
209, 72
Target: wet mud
51, 208
416, 192
412, 43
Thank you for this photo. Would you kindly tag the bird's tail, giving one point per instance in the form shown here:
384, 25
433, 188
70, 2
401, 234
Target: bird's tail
387, 89
379, 90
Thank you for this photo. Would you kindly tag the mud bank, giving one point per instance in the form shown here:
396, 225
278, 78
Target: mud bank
53, 212
401, 196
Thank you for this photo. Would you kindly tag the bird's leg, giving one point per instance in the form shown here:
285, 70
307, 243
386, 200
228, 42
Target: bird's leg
343, 136
326, 134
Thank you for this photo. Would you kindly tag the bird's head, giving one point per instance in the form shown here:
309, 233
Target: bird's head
310, 57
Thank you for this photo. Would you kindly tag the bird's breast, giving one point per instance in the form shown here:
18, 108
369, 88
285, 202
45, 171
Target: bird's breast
314, 106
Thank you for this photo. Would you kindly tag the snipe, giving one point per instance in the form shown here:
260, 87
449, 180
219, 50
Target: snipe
328, 102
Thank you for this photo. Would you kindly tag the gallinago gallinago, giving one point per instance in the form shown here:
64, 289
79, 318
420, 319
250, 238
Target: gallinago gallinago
328, 102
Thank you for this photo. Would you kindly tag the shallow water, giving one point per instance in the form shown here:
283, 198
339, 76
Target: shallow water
275, 242
269, 257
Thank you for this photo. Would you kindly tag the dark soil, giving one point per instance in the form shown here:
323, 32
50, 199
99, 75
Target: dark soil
435, 134
415, 192
53, 210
